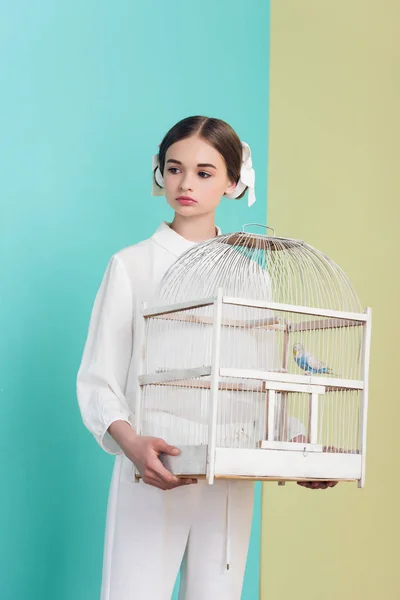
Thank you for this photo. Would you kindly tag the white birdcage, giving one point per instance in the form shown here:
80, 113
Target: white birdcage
255, 363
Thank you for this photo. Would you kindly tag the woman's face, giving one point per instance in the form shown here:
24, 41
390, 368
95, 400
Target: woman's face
195, 177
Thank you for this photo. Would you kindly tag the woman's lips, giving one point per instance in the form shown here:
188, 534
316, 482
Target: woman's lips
186, 200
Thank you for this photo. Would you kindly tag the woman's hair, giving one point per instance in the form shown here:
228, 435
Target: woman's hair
217, 133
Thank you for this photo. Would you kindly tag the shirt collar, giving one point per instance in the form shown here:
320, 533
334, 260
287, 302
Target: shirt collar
172, 241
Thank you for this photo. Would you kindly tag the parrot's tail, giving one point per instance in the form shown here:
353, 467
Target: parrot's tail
330, 372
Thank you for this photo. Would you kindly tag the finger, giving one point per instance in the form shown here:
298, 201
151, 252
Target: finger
185, 482
179, 483
151, 474
166, 476
162, 446
169, 486
152, 477
154, 482
189, 480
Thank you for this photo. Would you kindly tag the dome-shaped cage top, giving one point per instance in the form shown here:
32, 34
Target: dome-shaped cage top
261, 268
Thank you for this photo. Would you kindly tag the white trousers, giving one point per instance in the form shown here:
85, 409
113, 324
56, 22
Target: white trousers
150, 533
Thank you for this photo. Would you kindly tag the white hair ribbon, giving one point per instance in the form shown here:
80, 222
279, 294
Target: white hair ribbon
246, 180
247, 177
157, 190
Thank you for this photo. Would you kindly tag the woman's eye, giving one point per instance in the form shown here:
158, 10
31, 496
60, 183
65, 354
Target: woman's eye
175, 170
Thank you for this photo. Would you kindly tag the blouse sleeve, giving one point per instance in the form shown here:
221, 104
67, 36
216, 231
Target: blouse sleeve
105, 363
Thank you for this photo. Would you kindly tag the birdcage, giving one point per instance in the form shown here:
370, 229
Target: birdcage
255, 363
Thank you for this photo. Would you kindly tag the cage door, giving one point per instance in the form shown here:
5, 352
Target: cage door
310, 443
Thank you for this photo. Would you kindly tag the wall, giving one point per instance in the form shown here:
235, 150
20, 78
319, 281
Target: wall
87, 91
333, 181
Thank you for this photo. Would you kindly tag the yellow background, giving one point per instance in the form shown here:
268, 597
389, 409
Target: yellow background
334, 181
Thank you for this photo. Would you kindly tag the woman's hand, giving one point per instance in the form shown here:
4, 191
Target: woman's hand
144, 453
315, 485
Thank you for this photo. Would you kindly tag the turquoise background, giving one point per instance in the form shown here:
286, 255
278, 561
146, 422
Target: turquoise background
88, 88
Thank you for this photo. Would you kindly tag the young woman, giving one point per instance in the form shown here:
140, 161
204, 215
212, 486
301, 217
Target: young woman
162, 522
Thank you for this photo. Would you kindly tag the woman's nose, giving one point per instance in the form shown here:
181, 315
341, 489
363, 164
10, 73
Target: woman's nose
186, 183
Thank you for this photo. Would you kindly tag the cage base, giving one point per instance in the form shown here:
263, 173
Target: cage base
265, 464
